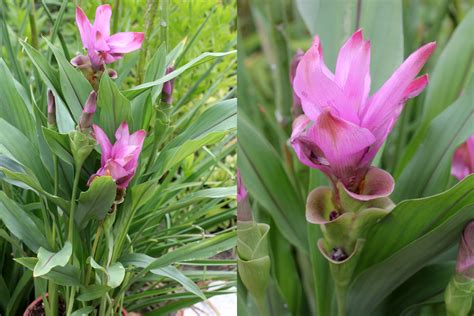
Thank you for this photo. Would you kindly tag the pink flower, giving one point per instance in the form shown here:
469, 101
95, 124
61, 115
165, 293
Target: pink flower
463, 159
465, 261
343, 127
102, 47
119, 160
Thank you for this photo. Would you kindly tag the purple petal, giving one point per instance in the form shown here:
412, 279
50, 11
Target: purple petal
102, 19
463, 160
122, 132
343, 144
104, 143
352, 69
85, 29
387, 103
125, 42
314, 84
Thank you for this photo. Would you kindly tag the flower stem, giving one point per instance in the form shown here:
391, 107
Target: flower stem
72, 209
341, 295
98, 234
53, 298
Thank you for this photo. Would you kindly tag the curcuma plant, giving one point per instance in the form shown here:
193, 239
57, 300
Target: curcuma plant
357, 158
115, 199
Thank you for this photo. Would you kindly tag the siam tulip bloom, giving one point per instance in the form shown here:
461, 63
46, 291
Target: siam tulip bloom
343, 127
103, 48
294, 64
465, 261
85, 121
463, 159
167, 91
119, 160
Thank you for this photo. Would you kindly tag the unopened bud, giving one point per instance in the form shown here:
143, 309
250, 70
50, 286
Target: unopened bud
113, 74
85, 120
51, 109
167, 91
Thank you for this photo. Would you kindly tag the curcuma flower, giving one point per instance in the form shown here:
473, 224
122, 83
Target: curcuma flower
343, 127
168, 86
119, 160
463, 159
103, 48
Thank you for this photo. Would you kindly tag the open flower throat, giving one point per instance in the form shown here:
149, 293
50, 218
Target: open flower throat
342, 127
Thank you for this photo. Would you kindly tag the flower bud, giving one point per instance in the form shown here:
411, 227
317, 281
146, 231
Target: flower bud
51, 109
167, 91
465, 262
244, 211
81, 62
85, 120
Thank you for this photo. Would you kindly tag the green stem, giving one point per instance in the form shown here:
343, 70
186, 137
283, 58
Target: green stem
70, 304
262, 306
103, 306
34, 33
341, 295
98, 234
53, 298
72, 209
164, 23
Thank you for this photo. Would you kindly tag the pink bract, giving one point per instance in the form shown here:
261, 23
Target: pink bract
465, 261
119, 160
343, 127
102, 47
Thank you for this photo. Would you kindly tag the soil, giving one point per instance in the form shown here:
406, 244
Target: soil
38, 308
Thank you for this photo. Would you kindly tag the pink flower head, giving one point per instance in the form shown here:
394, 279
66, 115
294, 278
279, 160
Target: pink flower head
241, 191
463, 159
343, 127
119, 160
465, 261
102, 47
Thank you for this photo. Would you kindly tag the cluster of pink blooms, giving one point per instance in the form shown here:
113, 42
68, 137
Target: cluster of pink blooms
118, 160
342, 127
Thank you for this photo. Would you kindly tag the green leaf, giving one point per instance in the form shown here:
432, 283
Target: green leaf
114, 106
192, 251
451, 71
74, 86
92, 292
29, 182
83, 311
266, 179
14, 110
48, 260
96, 201
430, 226
155, 70
65, 276
20, 224
45, 70
59, 144
115, 273
208, 129
22, 149
205, 57
432, 161
142, 261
